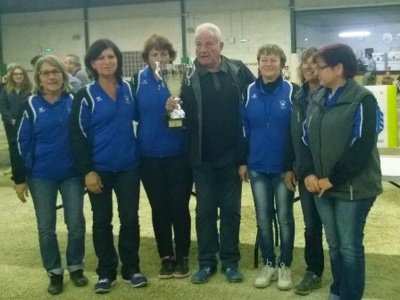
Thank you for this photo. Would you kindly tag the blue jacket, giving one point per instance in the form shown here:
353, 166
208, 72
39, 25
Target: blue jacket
102, 133
154, 137
43, 138
266, 118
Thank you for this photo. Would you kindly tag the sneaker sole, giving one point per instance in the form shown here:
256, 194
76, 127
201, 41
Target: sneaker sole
177, 275
168, 276
315, 287
235, 280
284, 288
134, 285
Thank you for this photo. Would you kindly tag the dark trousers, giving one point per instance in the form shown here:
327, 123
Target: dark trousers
126, 187
313, 252
168, 183
10, 134
218, 187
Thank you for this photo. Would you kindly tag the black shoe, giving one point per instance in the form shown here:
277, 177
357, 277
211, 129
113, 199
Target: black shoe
78, 278
182, 268
167, 268
56, 284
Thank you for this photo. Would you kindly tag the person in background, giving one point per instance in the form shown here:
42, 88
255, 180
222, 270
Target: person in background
216, 152
104, 144
387, 79
75, 83
369, 77
266, 113
42, 161
313, 250
164, 170
74, 67
16, 91
341, 129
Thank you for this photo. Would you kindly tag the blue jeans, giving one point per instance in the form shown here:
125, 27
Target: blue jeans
313, 251
266, 188
44, 196
218, 187
344, 223
125, 184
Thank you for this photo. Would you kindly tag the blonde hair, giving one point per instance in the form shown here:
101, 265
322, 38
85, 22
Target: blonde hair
26, 84
59, 65
304, 56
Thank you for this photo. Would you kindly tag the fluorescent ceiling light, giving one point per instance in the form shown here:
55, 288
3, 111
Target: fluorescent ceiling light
354, 33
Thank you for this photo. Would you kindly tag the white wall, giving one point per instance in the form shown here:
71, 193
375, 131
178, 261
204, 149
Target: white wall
28, 34
259, 21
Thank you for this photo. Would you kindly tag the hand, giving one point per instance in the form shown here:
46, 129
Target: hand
22, 191
172, 103
325, 185
311, 183
291, 180
93, 182
243, 173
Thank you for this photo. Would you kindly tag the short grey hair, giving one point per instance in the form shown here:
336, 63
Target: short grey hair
210, 28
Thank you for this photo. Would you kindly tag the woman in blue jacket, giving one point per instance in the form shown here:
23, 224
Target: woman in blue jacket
42, 160
164, 171
104, 144
266, 116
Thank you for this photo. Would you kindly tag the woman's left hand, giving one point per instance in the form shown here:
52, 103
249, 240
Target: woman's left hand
324, 185
22, 191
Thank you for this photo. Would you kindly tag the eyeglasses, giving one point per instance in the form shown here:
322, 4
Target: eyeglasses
18, 74
321, 68
46, 74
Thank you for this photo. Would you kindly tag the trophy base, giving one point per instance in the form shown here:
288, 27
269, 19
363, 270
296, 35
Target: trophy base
175, 123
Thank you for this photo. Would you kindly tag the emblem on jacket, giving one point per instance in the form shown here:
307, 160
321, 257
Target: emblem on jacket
98, 99
41, 110
282, 104
254, 96
144, 81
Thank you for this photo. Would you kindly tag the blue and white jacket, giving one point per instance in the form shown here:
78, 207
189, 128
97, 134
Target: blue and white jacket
101, 128
43, 138
266, 118
154, 137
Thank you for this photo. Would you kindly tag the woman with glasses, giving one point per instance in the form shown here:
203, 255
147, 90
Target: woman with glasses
15, 92
42, 160
342, 125
313, 251
103, 140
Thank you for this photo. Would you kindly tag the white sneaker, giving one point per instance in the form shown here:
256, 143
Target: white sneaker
284, 278
267, 274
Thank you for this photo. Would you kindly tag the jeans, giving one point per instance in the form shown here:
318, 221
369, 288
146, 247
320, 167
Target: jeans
126, 187
168, 183
218, 187
313, 251
44, 196
344, 223
266, 188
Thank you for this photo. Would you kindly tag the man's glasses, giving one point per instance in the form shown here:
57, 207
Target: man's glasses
46, 73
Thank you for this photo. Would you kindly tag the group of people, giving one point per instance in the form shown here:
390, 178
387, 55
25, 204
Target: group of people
269, 131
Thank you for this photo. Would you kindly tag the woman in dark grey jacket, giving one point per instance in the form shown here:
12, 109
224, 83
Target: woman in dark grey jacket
15, 92
342, 125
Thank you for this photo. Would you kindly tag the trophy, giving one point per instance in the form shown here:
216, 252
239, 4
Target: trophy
173, 78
